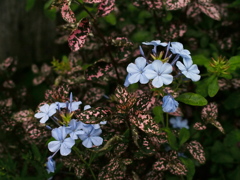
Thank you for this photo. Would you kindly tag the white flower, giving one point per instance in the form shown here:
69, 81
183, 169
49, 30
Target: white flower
159, 72
177, 48
46, 111
189, 69
136, 71
62, 143
177, 122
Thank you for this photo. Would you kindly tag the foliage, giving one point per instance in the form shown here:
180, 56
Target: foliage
137, 86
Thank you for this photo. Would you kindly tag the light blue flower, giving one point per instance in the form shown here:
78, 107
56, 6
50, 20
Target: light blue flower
169, 104
155, 44
71, 106
46, 111
177, 48
177, 122
136, 71
126, 82
91, 137
189, 69
75, 128
62, 143
160, 73
51, 165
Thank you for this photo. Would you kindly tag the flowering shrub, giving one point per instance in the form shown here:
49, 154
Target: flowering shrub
124, 104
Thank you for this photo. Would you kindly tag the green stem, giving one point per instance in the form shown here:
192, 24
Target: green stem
87, 164
167, 120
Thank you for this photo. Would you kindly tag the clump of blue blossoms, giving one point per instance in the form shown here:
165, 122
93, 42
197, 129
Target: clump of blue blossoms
172, 65
69, 129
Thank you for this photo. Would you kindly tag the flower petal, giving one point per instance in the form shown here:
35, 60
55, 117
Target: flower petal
156, 65
132, 68
167, 79
53, 146
187, 62
64, 150
39, 115
44, 108
157, 82
143, 79
194, 69
166, 68
96, 132
44, 118
140, 63
87, 143
97, 141
69, 142
134, 78
150, 74
180, 66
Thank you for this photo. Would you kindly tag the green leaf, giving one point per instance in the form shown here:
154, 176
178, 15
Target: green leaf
158, 112
172, 140
111, 19
234, 63
232, 101
213, 87
189, 164
184, 135
201, 60
192, 99
29, 5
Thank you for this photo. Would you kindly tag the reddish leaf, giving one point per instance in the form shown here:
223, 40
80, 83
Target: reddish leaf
78, 37
174, 5
93, 95
67, 13
145, 122
154, 175
177, 167
160, 165
105, 7
92, 1
196, 149
209, 112
94, 115
218, 125
199, 126
210, 10
114, 170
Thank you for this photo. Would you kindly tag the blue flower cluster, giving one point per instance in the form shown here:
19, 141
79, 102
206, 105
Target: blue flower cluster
66, 135
159, 71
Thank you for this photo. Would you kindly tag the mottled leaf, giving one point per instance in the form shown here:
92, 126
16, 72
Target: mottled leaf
78, 37
160, 165
92, 1
174, 5
196, 150
218, 125
105, 7
114, 170
154, 175
209, 112
177, 167
94, 115
67, 13
199, 126
92, 95
210, 10
145, 122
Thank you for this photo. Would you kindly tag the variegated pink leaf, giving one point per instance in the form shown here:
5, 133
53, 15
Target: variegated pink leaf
154, 175
67, 13
145, 122
114, 170
177, 167
174, 5
218, 125
92, 95
160, 165
196, 149
78, 37
94, 115
92, 1
210, 10
209, 112
199, 126
105, 7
